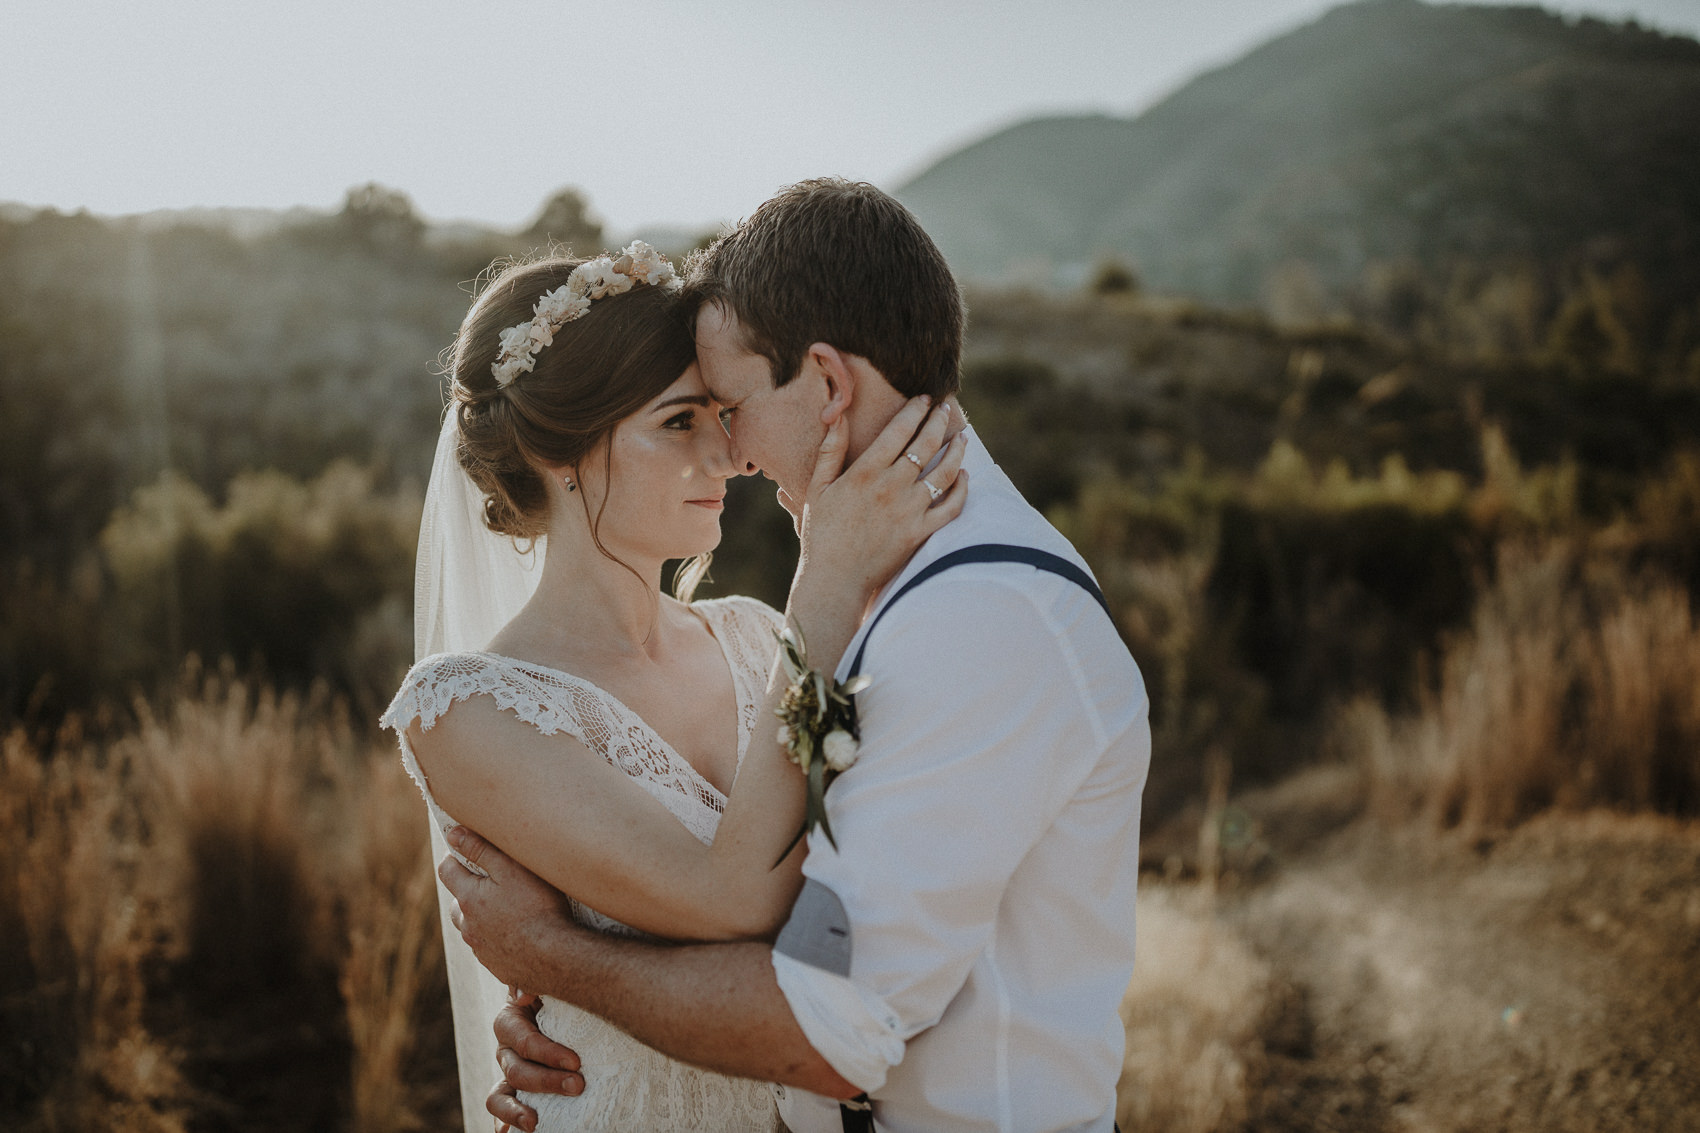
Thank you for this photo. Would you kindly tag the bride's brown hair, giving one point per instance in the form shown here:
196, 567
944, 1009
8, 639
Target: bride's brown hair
601, 368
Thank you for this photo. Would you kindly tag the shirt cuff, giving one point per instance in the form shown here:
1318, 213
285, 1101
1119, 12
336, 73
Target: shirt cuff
849, 1026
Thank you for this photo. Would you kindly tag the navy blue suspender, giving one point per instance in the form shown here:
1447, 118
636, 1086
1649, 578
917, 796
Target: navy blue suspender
984, 553
857, 1115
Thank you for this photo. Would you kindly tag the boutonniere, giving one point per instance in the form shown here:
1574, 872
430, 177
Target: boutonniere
817, 728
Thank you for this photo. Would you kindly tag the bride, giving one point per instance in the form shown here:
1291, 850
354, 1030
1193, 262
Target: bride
572, 713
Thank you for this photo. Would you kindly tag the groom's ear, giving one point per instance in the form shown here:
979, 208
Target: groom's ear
840, 376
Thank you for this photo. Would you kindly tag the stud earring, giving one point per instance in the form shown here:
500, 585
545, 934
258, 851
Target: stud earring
568, 481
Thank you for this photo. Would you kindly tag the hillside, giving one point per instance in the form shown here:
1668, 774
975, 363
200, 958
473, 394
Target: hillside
1387, 135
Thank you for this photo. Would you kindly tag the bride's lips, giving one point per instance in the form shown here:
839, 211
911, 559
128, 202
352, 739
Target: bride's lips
712, 503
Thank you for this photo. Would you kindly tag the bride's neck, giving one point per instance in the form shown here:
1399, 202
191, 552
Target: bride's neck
587, 602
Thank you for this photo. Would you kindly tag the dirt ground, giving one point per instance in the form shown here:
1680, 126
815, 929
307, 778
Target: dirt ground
1365, 975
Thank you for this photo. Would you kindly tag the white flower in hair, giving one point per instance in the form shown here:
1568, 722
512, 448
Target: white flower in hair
648, 264
561, 306
594, 279
602, 279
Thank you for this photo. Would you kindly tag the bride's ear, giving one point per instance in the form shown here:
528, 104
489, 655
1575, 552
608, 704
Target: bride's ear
566, 475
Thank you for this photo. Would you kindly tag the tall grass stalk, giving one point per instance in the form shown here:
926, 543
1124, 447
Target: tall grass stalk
83, 918
1193, 1014
393, 968
237, 870
235, 768
1567, 691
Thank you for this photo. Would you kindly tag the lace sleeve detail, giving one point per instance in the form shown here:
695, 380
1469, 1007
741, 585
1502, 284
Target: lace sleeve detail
554, 703
434, 685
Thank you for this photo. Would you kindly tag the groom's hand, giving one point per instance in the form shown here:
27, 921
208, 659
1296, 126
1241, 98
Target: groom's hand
530, 1061
507, 917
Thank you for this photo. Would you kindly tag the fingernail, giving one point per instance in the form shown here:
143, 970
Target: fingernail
926, 399
456, 835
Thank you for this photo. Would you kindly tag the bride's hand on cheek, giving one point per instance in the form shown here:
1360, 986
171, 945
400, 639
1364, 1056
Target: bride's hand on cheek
862, 523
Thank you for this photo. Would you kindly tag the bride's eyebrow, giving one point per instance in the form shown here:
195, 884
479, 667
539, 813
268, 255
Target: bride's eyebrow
683, 399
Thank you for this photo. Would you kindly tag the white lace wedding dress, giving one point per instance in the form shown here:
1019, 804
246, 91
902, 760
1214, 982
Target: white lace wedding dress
628, 1086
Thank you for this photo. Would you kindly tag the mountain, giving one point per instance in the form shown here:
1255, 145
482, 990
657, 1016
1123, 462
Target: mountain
1388, 133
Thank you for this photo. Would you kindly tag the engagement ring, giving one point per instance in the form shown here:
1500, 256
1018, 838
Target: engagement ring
912, 459
931, 491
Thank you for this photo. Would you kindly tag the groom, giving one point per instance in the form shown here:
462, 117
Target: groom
959, 957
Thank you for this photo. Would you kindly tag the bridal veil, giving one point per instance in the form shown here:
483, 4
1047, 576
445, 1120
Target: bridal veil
468, 583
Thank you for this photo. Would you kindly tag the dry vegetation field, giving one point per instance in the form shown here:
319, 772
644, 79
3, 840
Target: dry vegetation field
1417, 618
221, 913
1469, 919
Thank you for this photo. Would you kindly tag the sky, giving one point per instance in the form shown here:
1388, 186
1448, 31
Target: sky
664, 112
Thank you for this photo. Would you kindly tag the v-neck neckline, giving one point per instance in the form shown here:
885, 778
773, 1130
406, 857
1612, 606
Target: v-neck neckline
667, 749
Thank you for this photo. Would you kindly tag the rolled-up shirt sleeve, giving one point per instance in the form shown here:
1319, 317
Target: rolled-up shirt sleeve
977, 729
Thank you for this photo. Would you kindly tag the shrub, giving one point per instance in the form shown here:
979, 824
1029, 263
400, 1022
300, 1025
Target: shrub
309, 579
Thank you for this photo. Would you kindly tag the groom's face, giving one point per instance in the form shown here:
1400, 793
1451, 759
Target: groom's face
776, 432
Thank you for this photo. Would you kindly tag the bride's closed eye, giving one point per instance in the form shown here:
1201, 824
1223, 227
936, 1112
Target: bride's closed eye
682, 422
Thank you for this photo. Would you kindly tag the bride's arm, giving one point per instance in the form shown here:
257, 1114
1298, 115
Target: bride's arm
590, 831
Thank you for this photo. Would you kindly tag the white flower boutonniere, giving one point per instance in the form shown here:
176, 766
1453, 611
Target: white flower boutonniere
818, 729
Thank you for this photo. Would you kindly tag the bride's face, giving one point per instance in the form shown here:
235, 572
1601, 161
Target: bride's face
671, 461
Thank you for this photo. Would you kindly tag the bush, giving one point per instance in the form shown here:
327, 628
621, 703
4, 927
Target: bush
309, 579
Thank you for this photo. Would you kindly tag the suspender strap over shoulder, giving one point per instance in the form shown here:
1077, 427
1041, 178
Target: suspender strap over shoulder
984, 553
857, 1115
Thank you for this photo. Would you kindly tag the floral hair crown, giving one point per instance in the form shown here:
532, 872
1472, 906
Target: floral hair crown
605, 275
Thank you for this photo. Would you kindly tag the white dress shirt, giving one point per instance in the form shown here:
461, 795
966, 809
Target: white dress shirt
987, 848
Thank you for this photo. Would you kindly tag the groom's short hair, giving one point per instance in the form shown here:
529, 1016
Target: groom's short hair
844, 263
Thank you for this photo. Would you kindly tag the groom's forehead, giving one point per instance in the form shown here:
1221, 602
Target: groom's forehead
730, 369
718, 329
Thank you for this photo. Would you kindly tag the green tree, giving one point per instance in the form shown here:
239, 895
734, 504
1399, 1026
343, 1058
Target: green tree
565, 219
380, 217
1113, 277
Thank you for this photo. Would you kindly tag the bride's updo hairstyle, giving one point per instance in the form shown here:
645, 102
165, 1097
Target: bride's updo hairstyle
600, 368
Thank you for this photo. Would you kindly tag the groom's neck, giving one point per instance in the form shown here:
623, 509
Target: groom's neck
869, 415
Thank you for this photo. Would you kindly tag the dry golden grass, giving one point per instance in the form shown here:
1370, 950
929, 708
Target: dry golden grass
1567, 692
394, 957
233, 772
1193, 1014
232, 852
81, 917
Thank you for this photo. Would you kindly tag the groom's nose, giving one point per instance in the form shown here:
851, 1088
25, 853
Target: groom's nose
744, 465
726, 463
